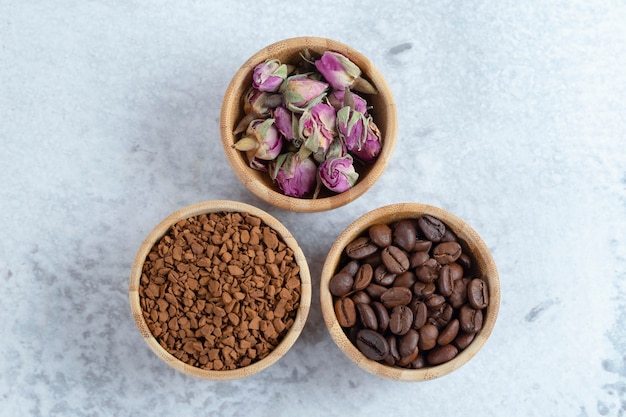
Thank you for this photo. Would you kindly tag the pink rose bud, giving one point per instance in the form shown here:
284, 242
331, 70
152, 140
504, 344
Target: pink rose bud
296, 177
340, 73
336, 99
269, 75
317, 127
286, 122
338, 174
360, 134
263, 138
301, 92
259, 102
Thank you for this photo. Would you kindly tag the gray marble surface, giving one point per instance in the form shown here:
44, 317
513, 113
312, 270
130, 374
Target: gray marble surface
512, 115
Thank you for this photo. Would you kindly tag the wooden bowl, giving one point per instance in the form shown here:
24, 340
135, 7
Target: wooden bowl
259, 183
472, 244
213, 207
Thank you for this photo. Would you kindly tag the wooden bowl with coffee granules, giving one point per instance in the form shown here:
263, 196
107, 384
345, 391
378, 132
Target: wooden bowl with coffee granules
409, 292
383, 112
220, 290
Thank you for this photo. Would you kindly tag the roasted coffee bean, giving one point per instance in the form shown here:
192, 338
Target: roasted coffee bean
406, 279
423, 290
400, 320
360, 248
382, 315
465, 261
374, 259
372, 344
363, 277
393, 356
418, 363
470, 319
449, 333
420, 314
463, 339
428, 271
350, 268
456, 271
361, 297
448, 236
431, 227
404, 361
459, 293
445, 283
408, 342
367, 316
381, 235
418, 258
345, 310
422, 246
428, 337
383, 276
405, 234
447, 252
435, 300
375, 290
396, 296
477, 293
442, 354
395, 259
341, 284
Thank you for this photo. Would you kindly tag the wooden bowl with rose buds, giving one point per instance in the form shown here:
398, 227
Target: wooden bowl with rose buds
409, 292
327, 173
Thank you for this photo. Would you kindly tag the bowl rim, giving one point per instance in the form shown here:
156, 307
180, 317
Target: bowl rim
392, 213
197, 209
272, 196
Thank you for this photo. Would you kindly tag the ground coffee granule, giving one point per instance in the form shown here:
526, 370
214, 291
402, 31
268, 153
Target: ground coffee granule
220, 290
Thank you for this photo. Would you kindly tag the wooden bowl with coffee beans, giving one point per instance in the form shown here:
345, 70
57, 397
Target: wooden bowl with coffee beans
409, 292
220, 290
308, 124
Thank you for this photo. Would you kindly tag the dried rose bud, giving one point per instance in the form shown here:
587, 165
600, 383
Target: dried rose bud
263, 138
359, 133
301, 92
317, 127
336, 99
269, 75
338, 174
295, 176
370, 149
286, 122
342, 73
260, 103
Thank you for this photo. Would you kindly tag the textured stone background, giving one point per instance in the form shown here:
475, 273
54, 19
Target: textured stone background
511, 115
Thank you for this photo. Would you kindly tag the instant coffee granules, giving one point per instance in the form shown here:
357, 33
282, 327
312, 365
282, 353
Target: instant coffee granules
407, 294
219, 291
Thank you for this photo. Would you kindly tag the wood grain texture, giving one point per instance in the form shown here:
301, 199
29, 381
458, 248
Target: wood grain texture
211, 207
259, 183
471, 242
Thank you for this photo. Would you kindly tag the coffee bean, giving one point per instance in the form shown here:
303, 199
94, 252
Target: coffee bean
428, 271
447, 252
372, 344
395, 259
435, 300
423, 290
442, 354
428, 337
465, 261
477, 293
449, 333
456, 270
360, 248
463, 339
381, 235
404, 361
375, 290
471, 320
396, 296
420, 315
383, 276
448, 236
363, 277
408, 342
400, 320
445, 283
392, 356
418, 363
406, 279
350, 268
367, 316
382, 315
418, 258
422, 245
459, 293
345, 310
341, 284
432, 228
405, 234
361, 297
